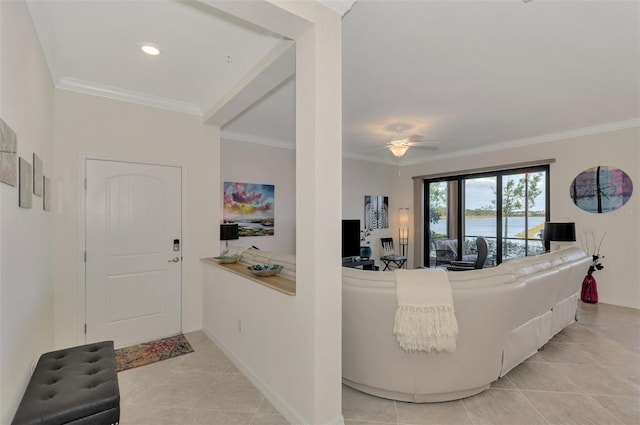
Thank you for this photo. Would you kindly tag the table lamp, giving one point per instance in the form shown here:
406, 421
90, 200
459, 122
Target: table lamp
558, 232
228, 232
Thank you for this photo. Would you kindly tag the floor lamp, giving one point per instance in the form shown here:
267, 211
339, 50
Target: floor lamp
403, 231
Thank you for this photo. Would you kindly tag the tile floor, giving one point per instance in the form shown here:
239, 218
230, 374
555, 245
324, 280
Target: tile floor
588, 374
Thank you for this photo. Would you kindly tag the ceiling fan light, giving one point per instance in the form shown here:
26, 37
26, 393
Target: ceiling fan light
150, 49
398, 150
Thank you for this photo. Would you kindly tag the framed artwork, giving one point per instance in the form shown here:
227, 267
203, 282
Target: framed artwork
250, 205
8, 155
37, 175
25, 188
601, 189
46, 196
376, 212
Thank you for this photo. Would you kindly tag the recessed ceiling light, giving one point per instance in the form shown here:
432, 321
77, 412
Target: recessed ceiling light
150, 49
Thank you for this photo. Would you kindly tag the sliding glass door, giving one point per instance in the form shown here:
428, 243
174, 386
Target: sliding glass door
507, 208
523, 214
480, 216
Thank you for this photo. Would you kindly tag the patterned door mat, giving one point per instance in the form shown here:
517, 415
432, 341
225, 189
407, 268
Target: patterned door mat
151, 352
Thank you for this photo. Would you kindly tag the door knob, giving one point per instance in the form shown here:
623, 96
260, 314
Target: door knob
175, 260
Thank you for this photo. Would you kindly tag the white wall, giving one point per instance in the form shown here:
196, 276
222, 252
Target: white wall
89, 125
301, 359
619, 282
361, 178
26, 235
252, 163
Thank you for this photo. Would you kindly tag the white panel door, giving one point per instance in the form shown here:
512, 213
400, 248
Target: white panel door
133, 267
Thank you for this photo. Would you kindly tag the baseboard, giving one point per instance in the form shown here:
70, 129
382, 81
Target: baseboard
274, 398
337, 421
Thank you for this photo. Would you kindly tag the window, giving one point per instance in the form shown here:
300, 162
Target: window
508, 208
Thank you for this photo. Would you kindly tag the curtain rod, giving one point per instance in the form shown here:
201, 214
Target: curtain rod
487, 169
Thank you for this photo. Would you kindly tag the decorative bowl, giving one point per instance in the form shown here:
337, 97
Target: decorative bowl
227, 259
265, 269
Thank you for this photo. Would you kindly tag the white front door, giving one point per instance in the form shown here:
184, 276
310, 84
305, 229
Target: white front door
133, 251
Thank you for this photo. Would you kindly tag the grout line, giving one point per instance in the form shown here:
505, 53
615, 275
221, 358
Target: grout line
467, 410
535, 408
395, 409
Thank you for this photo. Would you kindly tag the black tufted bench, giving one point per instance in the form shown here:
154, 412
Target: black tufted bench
76, 386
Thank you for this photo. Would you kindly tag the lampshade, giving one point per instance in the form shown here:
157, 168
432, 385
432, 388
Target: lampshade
229, 232
403, 217
398, 150
559, 232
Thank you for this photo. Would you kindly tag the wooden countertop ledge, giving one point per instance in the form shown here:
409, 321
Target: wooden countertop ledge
280, 283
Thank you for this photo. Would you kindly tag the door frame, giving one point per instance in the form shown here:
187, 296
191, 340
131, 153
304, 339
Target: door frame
81, 299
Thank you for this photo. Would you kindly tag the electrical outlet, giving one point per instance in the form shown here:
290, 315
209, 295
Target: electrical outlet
240, 325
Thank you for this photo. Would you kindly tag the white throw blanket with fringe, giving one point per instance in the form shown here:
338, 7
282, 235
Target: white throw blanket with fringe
425, 319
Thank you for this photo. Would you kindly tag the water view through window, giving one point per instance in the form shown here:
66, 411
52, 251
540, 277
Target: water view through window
507, 208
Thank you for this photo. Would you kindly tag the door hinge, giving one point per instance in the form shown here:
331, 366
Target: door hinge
85, 256
85, 184
85, 328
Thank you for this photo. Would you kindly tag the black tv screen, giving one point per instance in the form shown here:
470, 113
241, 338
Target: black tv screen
350, 238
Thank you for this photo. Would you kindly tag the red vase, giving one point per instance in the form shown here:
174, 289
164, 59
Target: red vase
589, 292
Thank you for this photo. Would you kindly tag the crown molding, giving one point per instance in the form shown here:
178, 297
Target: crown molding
115, 93
259, 140
340, 6
351, 155
620, 125
276, 143
552, 137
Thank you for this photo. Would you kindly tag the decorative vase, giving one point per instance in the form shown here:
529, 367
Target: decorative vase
589, 293
365, 252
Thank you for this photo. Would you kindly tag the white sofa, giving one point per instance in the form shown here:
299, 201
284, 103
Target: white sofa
505, 314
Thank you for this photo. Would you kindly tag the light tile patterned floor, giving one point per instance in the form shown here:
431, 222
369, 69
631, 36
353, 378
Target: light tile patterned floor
588, 374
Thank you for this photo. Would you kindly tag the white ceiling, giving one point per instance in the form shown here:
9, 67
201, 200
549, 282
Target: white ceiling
472, 75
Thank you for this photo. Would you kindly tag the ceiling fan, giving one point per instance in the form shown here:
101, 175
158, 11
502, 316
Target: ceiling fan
399, 145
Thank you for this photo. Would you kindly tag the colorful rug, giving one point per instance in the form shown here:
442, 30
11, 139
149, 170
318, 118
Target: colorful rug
151, 352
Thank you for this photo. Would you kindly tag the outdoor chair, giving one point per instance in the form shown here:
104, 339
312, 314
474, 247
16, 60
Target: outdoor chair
481, 257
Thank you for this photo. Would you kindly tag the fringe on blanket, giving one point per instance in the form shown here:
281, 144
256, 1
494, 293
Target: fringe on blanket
430, 328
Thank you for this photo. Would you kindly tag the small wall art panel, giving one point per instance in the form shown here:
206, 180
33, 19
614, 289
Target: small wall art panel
37, 176
25, 171
8, 155
46, 199
601, 189
376, 212
250, 205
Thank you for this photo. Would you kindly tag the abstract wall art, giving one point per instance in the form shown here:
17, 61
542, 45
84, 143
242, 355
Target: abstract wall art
46, 201
601, 189
25, 187
250, 205
8, 155
376, 212
37, 176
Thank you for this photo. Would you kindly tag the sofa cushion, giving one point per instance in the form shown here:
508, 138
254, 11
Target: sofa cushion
368, 278
257, 256
569, 255
526, 265
480, 278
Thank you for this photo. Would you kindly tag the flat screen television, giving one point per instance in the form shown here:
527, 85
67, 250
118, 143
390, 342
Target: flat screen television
350, 238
